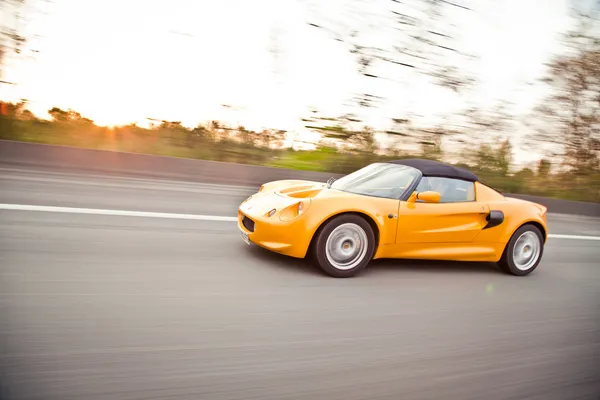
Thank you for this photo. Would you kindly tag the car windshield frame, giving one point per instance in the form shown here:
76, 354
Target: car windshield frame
353, 182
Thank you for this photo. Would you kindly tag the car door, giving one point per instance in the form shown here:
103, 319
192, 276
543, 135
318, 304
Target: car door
457, 218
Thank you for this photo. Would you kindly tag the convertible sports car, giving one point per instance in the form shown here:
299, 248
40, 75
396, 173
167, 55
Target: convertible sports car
410, 209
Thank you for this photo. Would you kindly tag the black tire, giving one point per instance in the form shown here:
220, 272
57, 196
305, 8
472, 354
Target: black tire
508, 264
364, 256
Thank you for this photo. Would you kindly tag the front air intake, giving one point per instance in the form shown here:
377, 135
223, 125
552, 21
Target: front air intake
248, 223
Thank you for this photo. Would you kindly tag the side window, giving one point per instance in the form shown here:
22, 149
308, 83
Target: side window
451, 190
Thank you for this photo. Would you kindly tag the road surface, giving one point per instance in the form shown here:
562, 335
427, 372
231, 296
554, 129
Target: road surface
128, 307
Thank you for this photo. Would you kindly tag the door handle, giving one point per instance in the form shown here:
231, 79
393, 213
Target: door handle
390, 216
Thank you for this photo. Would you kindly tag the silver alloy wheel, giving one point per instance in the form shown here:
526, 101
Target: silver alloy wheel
526, 250
346, 246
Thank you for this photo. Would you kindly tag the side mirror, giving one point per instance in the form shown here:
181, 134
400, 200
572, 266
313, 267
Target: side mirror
427, 197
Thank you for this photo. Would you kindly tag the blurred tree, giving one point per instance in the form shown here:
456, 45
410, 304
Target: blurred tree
344, 131
411, 34
431, 145
271, 138
504, 158
201, 134
525, 175
11, 39
570, 115
493, 159
415, 36
59, 115
15, 41
246, 136
543, 169
422, 41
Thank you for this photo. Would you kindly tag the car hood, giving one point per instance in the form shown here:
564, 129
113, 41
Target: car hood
289, 194
310, 190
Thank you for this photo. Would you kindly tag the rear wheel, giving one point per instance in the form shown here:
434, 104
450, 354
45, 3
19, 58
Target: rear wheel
523, 252
344, 246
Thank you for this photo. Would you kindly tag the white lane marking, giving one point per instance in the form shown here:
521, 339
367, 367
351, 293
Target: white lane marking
575, 237
96, 211
124, 213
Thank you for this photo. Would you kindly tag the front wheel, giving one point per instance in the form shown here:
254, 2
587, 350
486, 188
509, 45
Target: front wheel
523, 252
344, 246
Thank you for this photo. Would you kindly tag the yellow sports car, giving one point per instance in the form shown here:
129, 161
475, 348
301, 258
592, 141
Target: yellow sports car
410, 209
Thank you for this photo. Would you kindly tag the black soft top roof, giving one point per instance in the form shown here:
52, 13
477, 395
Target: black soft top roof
437, 168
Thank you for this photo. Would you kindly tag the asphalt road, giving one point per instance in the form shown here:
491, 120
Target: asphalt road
112, 307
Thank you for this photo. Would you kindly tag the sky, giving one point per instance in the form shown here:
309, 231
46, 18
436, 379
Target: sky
121, 61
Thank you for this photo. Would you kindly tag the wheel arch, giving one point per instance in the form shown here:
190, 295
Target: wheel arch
363, 215
540, 227
535, 223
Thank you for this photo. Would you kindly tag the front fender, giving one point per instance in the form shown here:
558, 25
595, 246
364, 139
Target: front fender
376, 210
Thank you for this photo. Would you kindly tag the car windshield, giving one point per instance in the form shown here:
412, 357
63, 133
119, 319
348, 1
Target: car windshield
379, 180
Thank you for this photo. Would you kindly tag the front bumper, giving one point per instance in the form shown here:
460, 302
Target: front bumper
287, 238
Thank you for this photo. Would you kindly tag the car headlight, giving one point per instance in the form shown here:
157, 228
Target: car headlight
294, 211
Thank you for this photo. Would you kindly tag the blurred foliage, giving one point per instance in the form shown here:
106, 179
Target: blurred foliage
420, 37
12, 40
215, 141
572, 111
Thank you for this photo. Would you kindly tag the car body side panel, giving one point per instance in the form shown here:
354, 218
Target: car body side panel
454, 251
441, 231
440, 222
